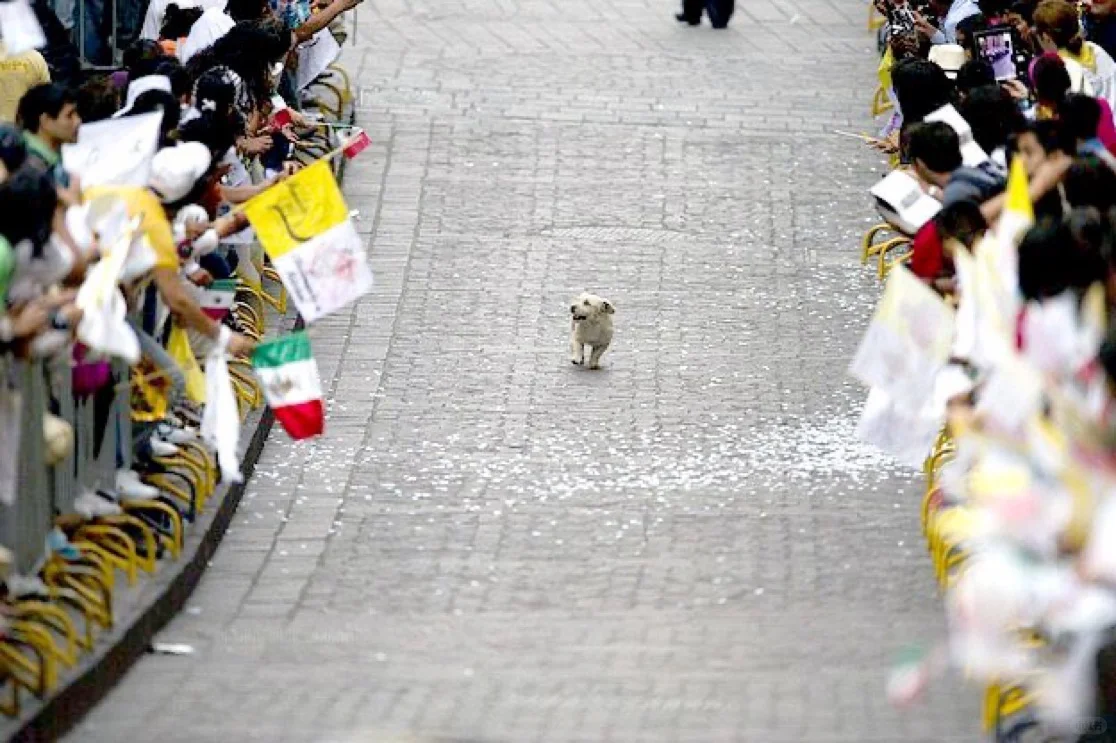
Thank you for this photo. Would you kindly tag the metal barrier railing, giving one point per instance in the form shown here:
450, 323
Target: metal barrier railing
42, 491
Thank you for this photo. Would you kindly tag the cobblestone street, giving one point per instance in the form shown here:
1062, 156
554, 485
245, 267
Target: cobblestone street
492, 545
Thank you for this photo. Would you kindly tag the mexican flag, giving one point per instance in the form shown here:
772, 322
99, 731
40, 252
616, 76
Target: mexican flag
289, 377
217, 299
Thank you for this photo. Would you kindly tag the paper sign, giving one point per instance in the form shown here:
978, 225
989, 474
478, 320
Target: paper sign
902, 201
114, 152
907, 342
904, 435
315, 57
19, 28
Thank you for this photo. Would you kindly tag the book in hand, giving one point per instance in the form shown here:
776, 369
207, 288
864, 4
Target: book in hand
902, 202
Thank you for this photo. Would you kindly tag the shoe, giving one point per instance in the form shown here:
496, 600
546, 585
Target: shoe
160, 448
58, 543
175, 434
90, 505
130, 487
683, 18
27, 587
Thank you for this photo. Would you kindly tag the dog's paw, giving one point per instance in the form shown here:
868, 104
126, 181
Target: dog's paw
594, 367
577, 362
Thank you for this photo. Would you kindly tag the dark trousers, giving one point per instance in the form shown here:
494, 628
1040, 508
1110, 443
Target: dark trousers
720, 11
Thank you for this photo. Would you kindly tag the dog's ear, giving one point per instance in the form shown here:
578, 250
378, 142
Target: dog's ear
608, 308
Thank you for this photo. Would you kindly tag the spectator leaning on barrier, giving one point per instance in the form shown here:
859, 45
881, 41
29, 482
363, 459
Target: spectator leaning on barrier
950, 13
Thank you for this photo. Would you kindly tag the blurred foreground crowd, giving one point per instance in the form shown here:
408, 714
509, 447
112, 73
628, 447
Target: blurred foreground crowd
993, 350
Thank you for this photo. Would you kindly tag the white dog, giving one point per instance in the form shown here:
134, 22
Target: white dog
591, 325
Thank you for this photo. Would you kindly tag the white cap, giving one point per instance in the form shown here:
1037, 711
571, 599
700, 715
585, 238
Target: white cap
950, 57
175, 170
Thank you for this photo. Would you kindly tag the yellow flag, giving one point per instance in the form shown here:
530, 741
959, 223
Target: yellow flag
298, 209
178, 346
1019, 213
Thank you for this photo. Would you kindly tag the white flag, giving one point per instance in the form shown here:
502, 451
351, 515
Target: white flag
114, 152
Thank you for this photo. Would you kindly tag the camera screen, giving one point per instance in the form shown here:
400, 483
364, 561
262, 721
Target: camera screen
998, 49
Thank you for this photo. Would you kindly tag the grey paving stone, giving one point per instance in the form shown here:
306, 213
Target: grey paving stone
490, 545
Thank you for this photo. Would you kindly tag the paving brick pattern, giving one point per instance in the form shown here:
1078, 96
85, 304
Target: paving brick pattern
492, 545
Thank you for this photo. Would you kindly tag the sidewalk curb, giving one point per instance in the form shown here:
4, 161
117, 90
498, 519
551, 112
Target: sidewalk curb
70, 703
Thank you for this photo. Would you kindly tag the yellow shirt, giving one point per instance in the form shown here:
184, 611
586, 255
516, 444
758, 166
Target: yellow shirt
18, 74
154, 225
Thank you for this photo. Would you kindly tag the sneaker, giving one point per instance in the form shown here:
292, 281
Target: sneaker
130, 487
175, 434
27, 587
90, 505
160, 448
57, 543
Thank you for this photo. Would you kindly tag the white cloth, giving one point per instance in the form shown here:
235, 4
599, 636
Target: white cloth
958, 11
212, 25
1103, 78
220, 426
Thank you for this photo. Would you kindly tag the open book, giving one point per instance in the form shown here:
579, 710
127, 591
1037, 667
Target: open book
902, 202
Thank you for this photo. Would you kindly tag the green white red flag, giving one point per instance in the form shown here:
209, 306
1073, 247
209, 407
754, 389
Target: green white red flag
289, 377
217, 299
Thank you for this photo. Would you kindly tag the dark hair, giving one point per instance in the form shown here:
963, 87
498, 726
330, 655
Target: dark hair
961, 221
1051, 78
1080, 116
936, 145
29, 198
974, 74
177, 21
969, 26
1052, 135
97, 99
180, 80
1060, 21
1090, 182
248, 49
141, 57
47, 99
246, 10
1025, 9
159, 100
13, 150
216, 92
921, 88
992, 114
217, 133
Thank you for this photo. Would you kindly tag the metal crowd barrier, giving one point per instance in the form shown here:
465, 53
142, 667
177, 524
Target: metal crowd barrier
40, 492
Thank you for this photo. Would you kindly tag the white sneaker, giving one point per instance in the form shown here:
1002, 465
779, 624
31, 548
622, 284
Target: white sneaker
90, 505
131, 487
162, 448
20, 586
176, 434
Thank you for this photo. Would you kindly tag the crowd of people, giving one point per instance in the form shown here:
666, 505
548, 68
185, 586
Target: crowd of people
1000, 316
123, 271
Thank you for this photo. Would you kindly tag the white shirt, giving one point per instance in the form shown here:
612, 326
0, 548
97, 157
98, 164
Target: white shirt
959, 11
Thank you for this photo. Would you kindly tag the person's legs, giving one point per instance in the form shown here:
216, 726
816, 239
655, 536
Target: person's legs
691, 11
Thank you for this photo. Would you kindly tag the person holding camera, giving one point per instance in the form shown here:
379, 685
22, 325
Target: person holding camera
951, 13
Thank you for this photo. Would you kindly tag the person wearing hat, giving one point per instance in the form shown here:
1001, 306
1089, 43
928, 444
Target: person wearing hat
175, 171
950, 57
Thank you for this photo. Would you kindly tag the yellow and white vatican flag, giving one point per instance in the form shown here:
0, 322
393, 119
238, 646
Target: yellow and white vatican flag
304, 226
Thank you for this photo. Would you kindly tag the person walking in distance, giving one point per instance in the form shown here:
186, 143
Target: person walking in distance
719, 11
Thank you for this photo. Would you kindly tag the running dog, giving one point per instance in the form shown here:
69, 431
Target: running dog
590, 325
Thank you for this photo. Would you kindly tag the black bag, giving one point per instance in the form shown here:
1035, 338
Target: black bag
720, 11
